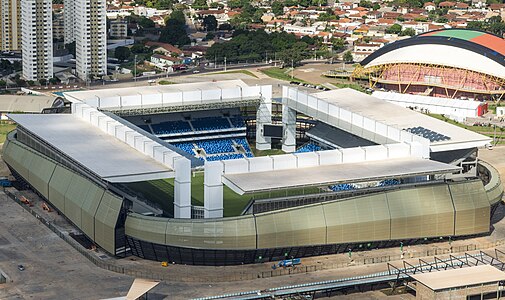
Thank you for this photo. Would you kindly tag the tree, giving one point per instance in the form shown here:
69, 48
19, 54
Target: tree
174, 31
3, 83
395, 29
164, 4
200, 4
122, 53
43, 81
225, 26
348, 57
209, 36
294, 55
210, 23
139, 48
338, 44
278, 8
408, 31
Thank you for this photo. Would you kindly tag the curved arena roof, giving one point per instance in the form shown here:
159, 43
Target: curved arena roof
459, 48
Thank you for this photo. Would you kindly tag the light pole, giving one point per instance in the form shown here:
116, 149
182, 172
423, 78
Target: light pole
135, 68
292, 69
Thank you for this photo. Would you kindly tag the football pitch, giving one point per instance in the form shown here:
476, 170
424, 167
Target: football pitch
162, 192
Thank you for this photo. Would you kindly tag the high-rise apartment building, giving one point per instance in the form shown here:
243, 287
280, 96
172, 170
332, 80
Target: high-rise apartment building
90, 38
10, 25
69, 20
37, 39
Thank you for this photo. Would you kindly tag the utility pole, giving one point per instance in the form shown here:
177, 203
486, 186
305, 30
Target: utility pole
266, 57
225, 63
135, 68
292, 69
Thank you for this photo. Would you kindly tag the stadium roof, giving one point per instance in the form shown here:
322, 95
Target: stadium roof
460, 277
428, 100
146, 96
334, 174
92, 149
403, 118
29, 103
457, 48
485, 39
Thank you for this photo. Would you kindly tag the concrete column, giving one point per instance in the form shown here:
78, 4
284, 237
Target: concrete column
213, 190
264, 116
182, 188
289, 123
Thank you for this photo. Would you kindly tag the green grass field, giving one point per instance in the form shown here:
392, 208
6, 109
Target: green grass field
281, 74
245, 72
162, 193
484, 130
5, 128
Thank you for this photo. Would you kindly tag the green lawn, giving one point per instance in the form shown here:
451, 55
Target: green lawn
165, 82
484, 130
162, 193
246, 72
5, 128
281, 74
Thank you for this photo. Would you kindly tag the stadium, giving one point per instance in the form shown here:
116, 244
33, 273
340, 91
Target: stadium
221, 173
450, 63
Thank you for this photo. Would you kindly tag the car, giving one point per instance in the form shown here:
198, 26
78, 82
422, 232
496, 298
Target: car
196, 71
21, 268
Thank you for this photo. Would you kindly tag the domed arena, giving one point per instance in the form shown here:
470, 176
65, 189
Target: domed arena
451, 63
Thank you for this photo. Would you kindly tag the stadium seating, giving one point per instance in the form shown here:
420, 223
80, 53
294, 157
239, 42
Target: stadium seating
244, 143
309, 147
237, 121
171, 127
342, 187
210, 123
216, 146
224, 157
188, 147
145, 127
389, 182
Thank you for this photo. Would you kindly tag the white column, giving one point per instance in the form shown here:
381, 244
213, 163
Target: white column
264, 116
213, 190
289, 123
182, 188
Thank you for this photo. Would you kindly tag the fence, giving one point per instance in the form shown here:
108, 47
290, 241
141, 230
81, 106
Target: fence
188, 275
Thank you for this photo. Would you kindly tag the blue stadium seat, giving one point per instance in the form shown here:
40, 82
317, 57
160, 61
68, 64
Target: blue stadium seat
309, 147
342, 187
389, 182
171, 127
224, 157
237, 121
210, 123
188, 147
145, 127
216, 146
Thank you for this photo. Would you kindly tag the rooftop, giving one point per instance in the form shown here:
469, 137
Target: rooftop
102, 154
460, 277
402, 118
334, 174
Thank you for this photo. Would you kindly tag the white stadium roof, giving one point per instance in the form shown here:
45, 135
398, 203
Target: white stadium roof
167, 95
444, 55
334, 174
95, 150
427, 100
403, 118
